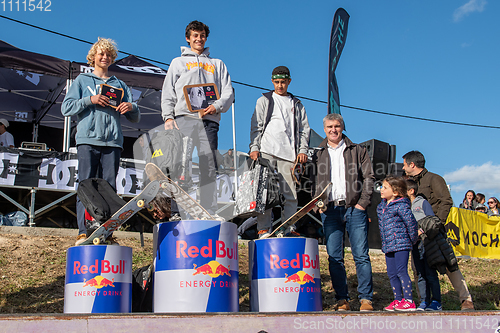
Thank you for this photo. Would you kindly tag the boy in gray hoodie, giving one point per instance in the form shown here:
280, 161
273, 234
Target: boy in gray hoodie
195, 66
99, 137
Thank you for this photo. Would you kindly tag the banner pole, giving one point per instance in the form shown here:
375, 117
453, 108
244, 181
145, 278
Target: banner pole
67, 124
235, 153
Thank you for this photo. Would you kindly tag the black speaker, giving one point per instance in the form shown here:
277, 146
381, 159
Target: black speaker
380, 155
396, 169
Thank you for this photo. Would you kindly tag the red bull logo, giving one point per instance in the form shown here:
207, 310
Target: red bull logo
220, 249
300, 277
99, 282
212, 269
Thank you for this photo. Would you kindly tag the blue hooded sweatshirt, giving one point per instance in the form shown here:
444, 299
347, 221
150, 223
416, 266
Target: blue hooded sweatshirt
97, 125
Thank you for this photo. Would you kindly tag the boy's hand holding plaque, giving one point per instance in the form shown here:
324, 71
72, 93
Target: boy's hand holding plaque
115, 95
200, 96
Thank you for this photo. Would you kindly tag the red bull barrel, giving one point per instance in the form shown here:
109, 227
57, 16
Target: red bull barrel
196, 267
98, 279
284, 275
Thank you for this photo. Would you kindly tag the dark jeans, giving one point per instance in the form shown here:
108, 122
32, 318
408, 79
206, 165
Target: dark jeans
205, 138
397, 270
95, 162
428, 279
336, 220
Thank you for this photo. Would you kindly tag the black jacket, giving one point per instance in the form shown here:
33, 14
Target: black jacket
438, 251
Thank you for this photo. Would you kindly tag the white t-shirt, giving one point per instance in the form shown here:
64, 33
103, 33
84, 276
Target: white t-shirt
6, 140
337, 174
279, 138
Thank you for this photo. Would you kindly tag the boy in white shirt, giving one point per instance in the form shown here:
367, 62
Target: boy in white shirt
279, 134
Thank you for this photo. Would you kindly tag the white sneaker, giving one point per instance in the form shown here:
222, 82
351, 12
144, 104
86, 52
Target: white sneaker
218, 218
175, 217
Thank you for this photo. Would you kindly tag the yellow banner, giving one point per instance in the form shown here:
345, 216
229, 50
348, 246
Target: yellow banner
475, 234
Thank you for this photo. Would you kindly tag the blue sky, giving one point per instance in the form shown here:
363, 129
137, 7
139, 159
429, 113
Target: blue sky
430, 59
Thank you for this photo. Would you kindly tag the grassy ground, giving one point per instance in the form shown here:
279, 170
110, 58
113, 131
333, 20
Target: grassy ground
32, 273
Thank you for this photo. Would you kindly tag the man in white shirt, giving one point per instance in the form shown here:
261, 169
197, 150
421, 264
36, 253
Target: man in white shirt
6, 139
348, 166
279, 134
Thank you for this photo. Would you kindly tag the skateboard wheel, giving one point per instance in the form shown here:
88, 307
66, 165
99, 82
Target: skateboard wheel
280, 235
96, 241
151, 207
163, 186
140, 203
320, 204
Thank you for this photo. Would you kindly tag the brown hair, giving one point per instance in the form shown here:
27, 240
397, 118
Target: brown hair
398, 185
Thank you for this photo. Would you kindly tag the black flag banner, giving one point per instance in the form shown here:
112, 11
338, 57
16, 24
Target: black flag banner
337, 41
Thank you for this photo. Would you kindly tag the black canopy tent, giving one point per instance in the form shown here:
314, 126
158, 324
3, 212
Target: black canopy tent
32, 88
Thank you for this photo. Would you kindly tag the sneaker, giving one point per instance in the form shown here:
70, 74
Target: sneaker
342, 305
434, 306
80, 239
467, 306
406, 305
290, 232
218, 218
175, 217
422, 306
391, 306
366, 305
264, 233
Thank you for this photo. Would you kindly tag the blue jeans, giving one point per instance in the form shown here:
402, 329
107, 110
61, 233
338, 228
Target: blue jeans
95, 162
336, 220
428, 279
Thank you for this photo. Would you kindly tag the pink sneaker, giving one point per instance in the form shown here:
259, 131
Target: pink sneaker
392, 306
406, 305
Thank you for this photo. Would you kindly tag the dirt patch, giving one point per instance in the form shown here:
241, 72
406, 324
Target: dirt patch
32, 273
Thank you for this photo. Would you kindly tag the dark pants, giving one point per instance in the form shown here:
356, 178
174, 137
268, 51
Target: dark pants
95, 162
428, 279
397, 270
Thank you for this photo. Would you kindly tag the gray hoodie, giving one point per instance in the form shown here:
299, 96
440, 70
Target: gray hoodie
421, 208
191, 68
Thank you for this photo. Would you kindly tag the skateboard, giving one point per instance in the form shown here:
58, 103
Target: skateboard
297, 171
137, 203
315, 202
184, 200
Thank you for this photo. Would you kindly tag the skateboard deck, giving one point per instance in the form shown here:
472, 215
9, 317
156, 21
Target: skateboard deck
297, 171
315, 202
184, 200
137, 203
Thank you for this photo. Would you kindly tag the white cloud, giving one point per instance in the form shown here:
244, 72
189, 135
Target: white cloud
470, 7
480, 178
